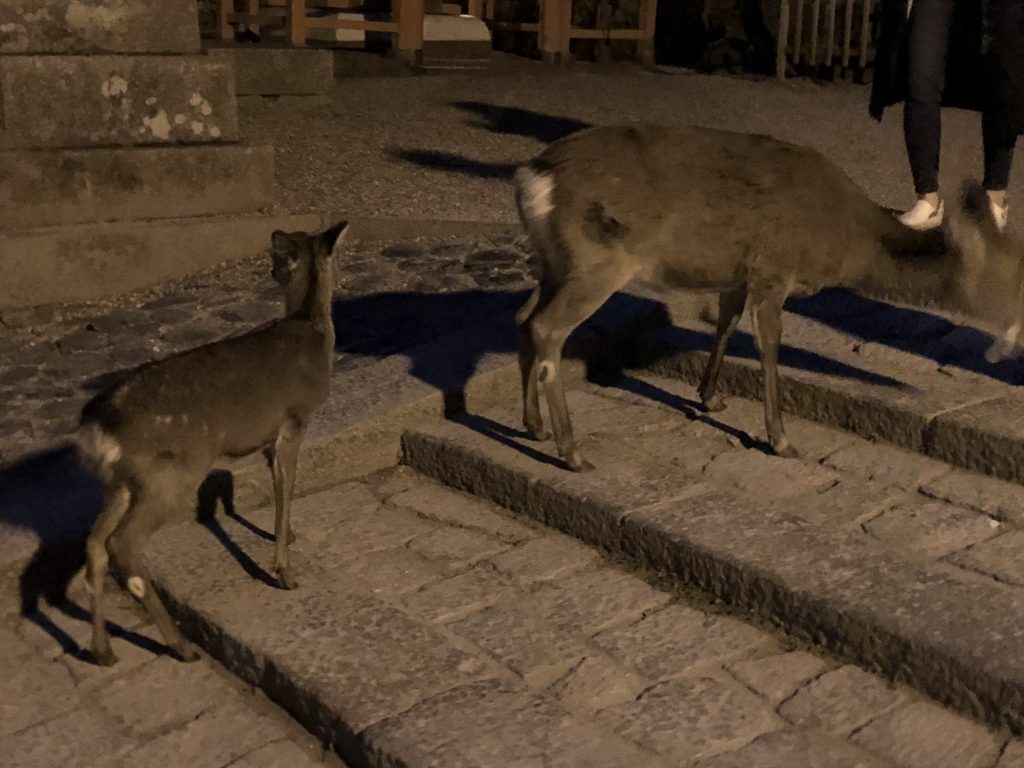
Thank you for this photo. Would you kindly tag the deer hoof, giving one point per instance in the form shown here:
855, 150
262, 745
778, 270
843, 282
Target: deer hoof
285, 579
786, 452
291, 536
538, 432
187, 653
578, 464
104, 657
713, 404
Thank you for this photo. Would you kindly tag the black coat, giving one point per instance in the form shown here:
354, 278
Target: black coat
984, 64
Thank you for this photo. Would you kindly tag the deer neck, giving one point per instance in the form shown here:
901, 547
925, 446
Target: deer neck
906, 266
310, 298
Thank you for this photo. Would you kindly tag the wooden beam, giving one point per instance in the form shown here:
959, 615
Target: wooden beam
830, 36
585, 33
815, 22
357, 24
847, 33
782, 41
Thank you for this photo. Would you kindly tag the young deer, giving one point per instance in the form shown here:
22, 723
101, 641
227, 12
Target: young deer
155, 436
750, 217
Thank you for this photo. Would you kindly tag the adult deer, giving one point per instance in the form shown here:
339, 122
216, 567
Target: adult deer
154, 436
749, 217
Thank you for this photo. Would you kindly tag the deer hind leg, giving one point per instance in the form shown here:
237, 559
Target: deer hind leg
570, 304
126, 546
116, 502
533, 421
766, 311
285, 456
730, 308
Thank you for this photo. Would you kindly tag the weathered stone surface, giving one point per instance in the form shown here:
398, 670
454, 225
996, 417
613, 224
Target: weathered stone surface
456, 548
596, 600
201, 743
528, 645
102, 100
278, 71
932, 529
1013, 755
598, 682
669, 642
276, 755
99, 26
788, 749
440, 503
458, 596
30, 693
768, 477
840, 701
36, 268
81, 739
1000, 499
887, 465
999, 558
545, 559
692, 718
498, 724
396, 571
982, 438
778, 677
43, 189
923, 735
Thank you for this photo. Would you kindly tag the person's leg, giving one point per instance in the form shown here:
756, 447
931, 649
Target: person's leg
999, 142
927, 42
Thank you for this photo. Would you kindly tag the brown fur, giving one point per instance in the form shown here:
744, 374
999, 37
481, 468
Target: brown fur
154, 436
749, 217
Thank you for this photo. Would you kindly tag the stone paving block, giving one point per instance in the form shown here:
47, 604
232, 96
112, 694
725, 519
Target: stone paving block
31, 690
1013, 755
932, 529
456, 597
547, 558
793, 749
888, 465
525, 643
456, 548
73, 186
690, 719
440, 503
84, 738
216, 737
669, 642
280, 754
162, 693
596, 600
778, 677
982, 438
999, 558
768, 477
1000, 499
923, 735
103, 100
598, 682
849, 503
841, 701
492, 724
114, 26
339, 529
394, 572
278, 71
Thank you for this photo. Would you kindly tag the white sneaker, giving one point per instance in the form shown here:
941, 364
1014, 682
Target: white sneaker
1000, 213
923, 215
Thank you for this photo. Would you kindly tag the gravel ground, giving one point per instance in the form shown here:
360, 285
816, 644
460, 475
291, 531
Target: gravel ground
443, 147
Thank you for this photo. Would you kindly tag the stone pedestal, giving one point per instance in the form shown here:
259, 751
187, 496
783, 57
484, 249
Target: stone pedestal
119, 155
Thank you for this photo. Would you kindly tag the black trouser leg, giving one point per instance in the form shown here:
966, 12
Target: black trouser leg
999, 141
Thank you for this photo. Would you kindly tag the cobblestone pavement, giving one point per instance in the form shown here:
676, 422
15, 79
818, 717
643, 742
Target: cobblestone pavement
59, 709
494, 641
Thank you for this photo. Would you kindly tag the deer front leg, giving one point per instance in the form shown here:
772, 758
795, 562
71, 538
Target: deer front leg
115, 505
767, 316
286, 455
532, 419
730, 307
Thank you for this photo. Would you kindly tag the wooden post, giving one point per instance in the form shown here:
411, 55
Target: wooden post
224, 9
815, 22
476, 8
408, 41
295, 22
254, 10
648, 19
555, 23
847, 33
781, 41
798, 32
830, 37
865, 33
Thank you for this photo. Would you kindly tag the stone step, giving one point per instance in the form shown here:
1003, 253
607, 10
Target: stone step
74, 186
914, 378
88, 101
430, 628
88, 261
836, 553
99, 26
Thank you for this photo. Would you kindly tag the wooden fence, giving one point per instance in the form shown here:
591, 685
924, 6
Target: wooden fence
825, 33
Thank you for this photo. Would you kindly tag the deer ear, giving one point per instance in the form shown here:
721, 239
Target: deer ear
330, 237
281, 241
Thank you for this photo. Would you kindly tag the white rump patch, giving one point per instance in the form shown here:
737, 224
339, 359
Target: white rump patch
137, 586
535, 191
98, 445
